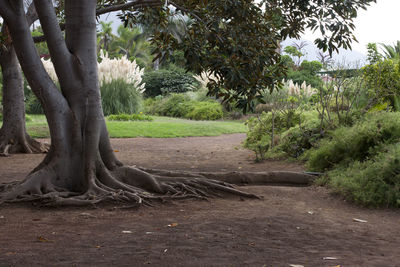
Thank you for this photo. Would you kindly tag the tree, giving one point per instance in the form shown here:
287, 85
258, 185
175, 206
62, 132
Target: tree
325, 59
105, 35
294, 53
235, 40
13, 135
391, 51
373, 56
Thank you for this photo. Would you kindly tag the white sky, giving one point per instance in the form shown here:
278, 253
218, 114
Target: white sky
378, 24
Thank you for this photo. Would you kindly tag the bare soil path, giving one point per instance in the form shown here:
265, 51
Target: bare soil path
291, 225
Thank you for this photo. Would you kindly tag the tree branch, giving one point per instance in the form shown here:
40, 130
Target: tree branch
6, 10
60, 55
133, 4
31, 14
185, 10
120, 7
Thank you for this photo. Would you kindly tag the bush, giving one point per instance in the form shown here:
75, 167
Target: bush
302, 137
129, 117
356, 143
375, 182
32, 104
28, 118
204, 111
261, 128
119, 97
182, 106
163, 82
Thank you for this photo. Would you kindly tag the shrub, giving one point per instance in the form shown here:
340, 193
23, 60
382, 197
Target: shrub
32, 104
117, 97
261, 129
28, 118
204, 111
383, 79
163, 82
182, 106
356, 143
375, 182
301, 137
129, 117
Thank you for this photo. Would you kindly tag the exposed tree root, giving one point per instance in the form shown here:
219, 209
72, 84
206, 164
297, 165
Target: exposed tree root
139, 186
21, 145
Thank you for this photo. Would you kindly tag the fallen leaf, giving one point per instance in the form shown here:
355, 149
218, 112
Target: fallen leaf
42, 239
173, 225
116, 150
97, 247
127, 232
359, 220
329, 258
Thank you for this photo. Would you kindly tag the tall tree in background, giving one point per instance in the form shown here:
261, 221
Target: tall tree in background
13, 135
105, 35
391, 51
234, 40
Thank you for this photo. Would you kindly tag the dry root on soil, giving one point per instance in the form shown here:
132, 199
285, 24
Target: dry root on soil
140, 186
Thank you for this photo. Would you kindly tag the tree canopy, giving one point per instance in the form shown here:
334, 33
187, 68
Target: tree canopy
235, 40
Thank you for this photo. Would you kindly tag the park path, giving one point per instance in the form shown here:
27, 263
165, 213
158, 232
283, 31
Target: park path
306, 226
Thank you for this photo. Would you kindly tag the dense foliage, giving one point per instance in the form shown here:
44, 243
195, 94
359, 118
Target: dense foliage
167, 81
183, 106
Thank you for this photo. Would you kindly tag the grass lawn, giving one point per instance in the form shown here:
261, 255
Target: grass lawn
159, 127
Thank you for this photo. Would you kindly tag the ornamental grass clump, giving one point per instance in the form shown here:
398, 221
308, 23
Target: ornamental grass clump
120, 84
120, 69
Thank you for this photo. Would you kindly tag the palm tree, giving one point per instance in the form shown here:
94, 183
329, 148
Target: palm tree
132, 43
105, 36
391, 51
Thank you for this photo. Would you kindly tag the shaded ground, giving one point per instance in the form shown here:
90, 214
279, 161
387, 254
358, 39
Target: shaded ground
289, 226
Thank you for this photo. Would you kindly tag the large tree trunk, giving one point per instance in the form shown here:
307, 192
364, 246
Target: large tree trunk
81, 166
13, 135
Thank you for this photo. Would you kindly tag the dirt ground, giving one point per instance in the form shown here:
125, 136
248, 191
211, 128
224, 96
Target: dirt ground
291, 225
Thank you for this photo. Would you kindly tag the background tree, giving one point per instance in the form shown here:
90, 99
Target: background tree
13, 135
235, 40
105, 35
391, 51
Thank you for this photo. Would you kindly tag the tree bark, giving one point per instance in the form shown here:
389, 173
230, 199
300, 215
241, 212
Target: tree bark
13, 135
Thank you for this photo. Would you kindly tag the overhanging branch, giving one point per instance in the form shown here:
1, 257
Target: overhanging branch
133, 4
105, 10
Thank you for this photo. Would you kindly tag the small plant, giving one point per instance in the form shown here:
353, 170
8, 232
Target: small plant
129, 117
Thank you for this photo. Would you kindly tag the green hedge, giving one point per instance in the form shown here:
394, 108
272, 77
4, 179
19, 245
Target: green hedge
129, 117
